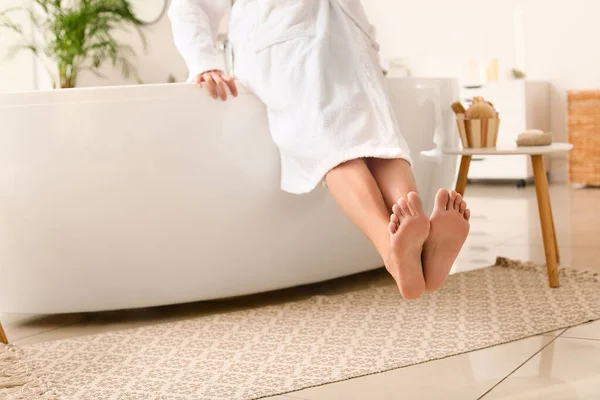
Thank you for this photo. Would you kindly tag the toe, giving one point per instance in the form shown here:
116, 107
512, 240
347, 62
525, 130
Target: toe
396, 210
414, 203
403, 203
463, 207
451, 198
441, 199
467, 214
394, 218
457, 201
392, 227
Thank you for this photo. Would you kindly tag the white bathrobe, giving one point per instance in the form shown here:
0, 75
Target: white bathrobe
315, 65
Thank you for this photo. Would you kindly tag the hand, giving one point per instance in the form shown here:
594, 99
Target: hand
216, 82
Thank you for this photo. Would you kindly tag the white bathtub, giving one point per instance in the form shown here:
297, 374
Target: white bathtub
140, 196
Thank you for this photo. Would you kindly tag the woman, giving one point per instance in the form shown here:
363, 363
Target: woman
315, 65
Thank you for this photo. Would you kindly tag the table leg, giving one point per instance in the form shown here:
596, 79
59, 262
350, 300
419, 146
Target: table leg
546, 220
555, 241
3, 338
463, 174
554, 230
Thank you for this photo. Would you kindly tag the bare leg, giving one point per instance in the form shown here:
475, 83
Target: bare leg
354, 188
396, 182
449, 223
449, 230
394, 178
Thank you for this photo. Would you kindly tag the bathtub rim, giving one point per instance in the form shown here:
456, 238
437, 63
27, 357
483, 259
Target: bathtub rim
145, 91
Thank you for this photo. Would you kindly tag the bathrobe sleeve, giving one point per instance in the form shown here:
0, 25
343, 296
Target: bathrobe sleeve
195, 25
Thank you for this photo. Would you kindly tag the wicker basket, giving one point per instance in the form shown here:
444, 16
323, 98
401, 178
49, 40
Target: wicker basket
584, 134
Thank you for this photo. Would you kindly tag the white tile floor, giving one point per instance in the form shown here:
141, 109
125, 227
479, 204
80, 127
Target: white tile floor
559, 365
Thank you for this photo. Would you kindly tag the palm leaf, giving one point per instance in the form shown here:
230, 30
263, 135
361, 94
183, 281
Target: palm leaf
8, 24
16, 49
6, 11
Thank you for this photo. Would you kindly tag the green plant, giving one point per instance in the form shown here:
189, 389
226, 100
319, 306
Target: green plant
518, 74
76, 35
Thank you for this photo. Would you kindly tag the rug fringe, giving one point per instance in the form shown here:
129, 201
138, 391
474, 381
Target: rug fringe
573, 273
17, 382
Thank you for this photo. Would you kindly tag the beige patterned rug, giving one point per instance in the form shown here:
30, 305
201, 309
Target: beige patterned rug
286, 347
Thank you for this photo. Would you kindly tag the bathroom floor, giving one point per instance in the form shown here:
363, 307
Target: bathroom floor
560, 365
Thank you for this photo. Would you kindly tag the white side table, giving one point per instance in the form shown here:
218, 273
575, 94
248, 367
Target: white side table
541, 188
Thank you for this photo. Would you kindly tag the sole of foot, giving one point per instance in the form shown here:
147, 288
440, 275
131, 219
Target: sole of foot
449, 231
409, 228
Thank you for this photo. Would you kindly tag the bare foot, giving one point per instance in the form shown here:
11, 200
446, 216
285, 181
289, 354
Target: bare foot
409, 228
449, 230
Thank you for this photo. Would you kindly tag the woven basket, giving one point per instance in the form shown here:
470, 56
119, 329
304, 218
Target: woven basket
584, 134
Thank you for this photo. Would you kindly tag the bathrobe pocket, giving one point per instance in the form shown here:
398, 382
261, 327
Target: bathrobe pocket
283, 20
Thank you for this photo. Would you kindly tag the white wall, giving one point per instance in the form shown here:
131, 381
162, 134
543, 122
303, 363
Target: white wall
562, 46
440, 37
17, 73
154, 64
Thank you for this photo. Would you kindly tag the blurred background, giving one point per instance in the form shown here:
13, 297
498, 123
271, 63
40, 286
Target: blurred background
475, 41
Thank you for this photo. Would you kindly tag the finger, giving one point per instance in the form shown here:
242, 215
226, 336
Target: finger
220, 86
212, 86
231, 83
198, 80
